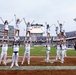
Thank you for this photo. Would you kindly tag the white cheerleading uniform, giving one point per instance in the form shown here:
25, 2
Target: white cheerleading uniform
15, 55
28, 27
47, 52
58, 52
27, 53
4, 53
6, 27
48, 30
17, 26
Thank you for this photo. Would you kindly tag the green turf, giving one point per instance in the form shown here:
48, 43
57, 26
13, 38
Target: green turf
39, 50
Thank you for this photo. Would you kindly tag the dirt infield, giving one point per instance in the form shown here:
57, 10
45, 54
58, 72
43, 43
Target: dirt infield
40, 61
37, 61
38, 72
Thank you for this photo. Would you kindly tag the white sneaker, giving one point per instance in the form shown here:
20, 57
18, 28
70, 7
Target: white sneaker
4, 63
22, 63
16, 65
12, 65
62, 61
28, 63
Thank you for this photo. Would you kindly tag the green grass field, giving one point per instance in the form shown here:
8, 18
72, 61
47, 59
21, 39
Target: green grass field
40, 50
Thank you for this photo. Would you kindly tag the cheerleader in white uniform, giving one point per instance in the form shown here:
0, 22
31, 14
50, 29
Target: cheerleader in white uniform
28, 27
4, 51
6, 28
15, 54
27, 52
17, 28
47, 30
47, 51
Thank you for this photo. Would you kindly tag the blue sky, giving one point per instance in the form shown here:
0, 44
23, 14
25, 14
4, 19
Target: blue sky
41, 11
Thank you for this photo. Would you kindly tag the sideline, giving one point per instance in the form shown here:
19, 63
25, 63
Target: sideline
38, 68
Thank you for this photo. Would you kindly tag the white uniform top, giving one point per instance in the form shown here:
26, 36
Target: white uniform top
17, 25
64, 40
4, 47
15, 48
48, 47
58, 47
27, 46
28, 27
6, 27
48, 30
63, 47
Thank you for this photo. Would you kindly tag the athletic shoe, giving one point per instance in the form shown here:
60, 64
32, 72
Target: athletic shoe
16, 65
62, 61
22, 63
28, 63
11, 66
4, 63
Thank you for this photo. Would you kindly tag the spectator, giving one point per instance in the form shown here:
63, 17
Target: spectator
75, 46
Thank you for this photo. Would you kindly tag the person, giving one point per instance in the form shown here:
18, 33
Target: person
4, 51
17, 28
75, 45
28, 25
47, 30
60, 24
15, 54
47, 51
6, 28
27, 52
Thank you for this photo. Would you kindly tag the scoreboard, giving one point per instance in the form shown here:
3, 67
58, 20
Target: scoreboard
36, 28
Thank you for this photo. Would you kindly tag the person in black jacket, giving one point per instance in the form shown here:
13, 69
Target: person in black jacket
75, 46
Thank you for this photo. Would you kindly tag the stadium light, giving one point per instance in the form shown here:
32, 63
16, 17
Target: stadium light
74, 19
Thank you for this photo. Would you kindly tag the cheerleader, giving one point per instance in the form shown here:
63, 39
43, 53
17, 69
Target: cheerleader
15, 54
6, 24
17, 24
27, 52
28, 25
47, 51
4, 51
47, 30
60, 24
